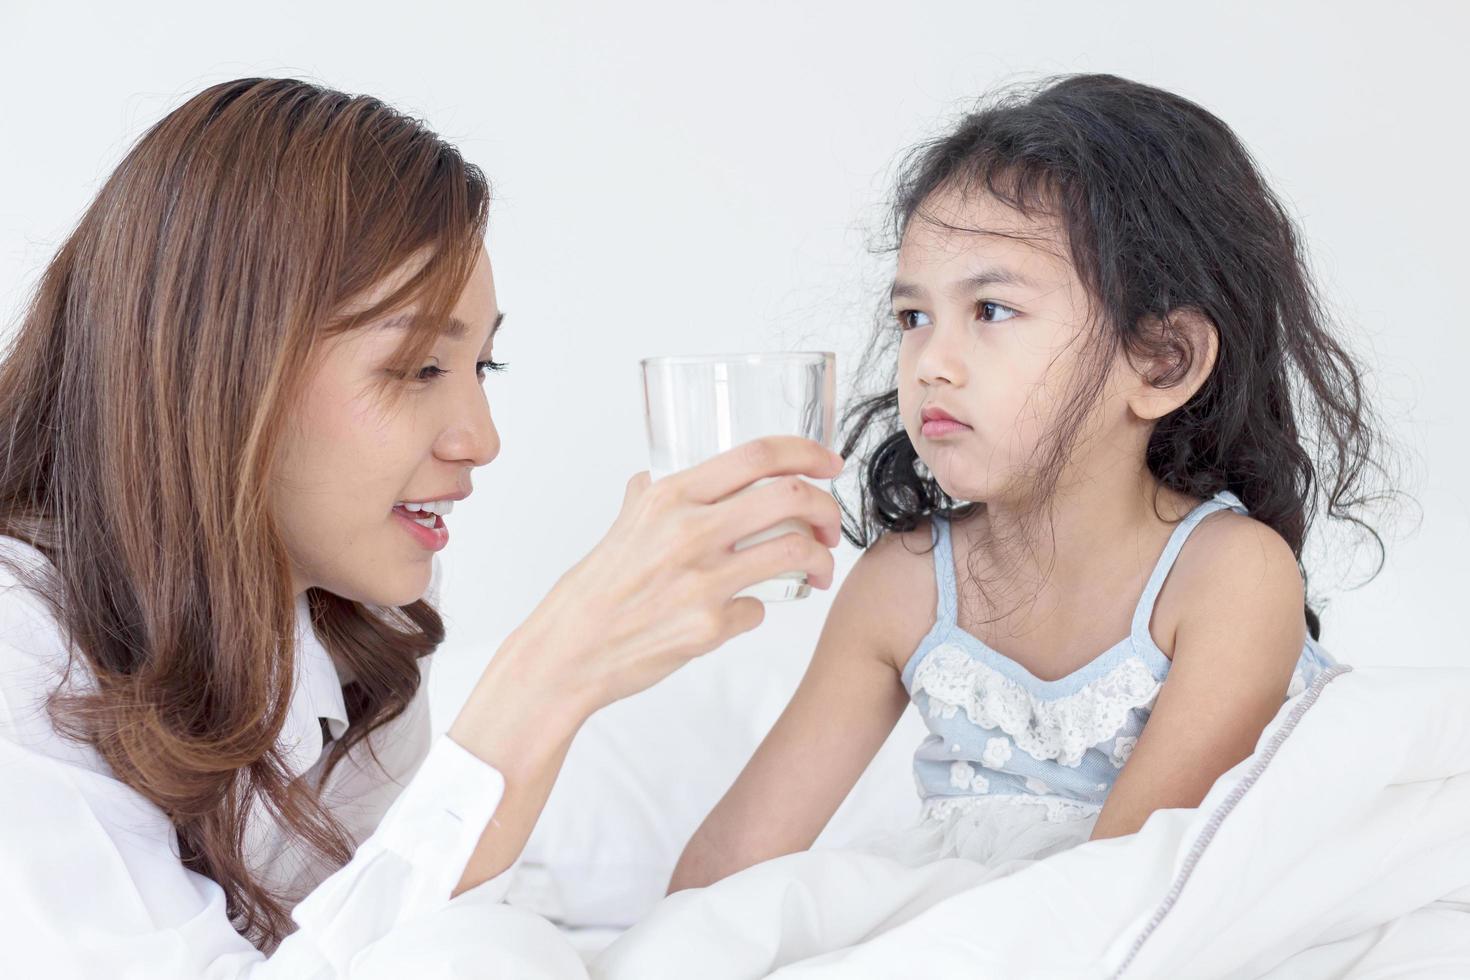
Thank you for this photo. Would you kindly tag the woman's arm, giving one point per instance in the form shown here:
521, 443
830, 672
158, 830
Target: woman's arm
846, 705
655, 593
498, 734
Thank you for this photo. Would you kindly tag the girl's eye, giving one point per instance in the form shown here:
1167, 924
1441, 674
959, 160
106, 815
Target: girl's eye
994, 312
987, 311
909, 319
484, 367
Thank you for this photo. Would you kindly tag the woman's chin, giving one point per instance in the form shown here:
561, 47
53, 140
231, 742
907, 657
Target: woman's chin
410, 589
406, 586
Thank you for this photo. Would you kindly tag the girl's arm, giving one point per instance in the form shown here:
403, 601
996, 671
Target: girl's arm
1235, 642
846, 705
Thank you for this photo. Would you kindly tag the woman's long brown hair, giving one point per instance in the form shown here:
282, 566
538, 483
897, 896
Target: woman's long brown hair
142, 401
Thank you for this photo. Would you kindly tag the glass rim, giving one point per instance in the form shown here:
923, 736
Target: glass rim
753, 357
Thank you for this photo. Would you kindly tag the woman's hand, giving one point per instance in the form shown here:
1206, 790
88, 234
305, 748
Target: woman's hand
656, 592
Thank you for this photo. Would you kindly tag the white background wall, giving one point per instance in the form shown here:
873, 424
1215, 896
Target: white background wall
686, 177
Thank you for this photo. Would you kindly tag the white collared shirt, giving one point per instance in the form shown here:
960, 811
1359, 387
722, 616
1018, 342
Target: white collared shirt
91, 881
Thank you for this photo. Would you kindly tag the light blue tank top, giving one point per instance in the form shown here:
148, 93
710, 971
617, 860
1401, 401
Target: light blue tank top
1000, 731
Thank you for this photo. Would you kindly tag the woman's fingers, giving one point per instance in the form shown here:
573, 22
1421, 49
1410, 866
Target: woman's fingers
637, 484
657, 590
741, 616
780, 499
737, 468
793, 552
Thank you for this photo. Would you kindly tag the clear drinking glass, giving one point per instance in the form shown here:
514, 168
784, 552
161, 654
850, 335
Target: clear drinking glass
699, 406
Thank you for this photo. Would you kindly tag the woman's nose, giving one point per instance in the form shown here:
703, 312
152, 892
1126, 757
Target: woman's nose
471, 436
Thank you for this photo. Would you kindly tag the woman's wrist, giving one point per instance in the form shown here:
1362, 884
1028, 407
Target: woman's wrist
523, 710
521, 719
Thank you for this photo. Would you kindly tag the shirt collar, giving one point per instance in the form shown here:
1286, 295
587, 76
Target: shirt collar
315, 694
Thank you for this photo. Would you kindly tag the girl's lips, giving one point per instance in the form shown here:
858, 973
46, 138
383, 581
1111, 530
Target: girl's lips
934, 428
935, 422
433, 538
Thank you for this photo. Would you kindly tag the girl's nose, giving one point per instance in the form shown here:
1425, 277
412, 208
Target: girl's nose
942, 358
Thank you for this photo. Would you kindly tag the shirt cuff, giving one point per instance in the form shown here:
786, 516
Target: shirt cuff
411, 863
437, 820
491, 891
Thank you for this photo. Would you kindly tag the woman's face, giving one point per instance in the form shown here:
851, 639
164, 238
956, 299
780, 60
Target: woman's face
351, 459
992, 321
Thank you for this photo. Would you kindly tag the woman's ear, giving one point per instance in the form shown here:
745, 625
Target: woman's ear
1184, 346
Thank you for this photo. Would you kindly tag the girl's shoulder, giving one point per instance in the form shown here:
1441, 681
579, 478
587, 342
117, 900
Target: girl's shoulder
892, 590
1229, 555
1232, 546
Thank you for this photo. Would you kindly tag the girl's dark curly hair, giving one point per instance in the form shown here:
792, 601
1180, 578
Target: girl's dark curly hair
1162, 209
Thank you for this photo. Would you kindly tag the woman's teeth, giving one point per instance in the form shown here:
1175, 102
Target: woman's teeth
429, 509
440, 507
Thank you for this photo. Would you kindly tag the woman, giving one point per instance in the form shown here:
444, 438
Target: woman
246, 391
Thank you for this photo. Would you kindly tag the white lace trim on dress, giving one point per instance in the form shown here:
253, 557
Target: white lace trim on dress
1061, 728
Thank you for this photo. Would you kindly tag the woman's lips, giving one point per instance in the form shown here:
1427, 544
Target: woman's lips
433, 538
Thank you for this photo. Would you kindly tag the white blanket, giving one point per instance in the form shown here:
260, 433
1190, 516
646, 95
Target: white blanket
1339, 848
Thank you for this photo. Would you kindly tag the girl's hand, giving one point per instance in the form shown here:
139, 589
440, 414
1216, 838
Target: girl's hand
658, 590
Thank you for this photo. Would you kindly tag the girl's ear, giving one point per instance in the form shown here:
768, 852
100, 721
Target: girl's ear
1185, 344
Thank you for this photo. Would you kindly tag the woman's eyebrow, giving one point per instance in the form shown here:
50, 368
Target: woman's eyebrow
495, 328
454, 327
458, 328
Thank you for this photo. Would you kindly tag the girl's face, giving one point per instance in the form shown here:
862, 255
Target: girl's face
992, 327
350, 458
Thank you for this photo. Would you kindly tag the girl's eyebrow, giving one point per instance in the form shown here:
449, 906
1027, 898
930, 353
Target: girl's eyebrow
985, 277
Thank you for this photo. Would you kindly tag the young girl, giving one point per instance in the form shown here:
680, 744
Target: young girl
1083, 505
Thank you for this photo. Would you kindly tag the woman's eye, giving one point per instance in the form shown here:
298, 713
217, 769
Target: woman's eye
994, 312
911, 319
484, 367
431, 372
